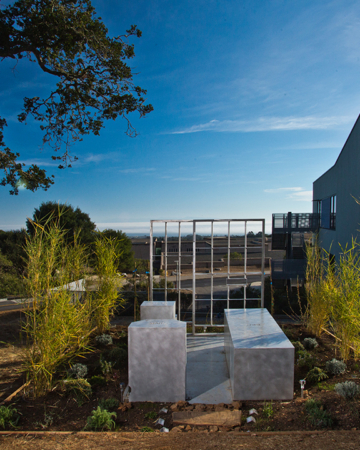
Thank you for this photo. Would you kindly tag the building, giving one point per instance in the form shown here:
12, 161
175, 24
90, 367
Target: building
334, 195
290, 232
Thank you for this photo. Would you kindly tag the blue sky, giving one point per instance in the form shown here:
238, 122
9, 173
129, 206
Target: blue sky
253, 101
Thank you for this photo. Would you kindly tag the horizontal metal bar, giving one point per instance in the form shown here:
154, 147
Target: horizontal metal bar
223, 300
206, 220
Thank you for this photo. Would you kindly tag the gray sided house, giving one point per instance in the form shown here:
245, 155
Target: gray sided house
334, 196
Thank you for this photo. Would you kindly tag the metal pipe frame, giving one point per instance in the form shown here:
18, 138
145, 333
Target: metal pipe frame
244, 273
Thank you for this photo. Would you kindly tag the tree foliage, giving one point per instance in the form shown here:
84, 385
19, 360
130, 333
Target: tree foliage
124, 245
12, 246
10, 282
67, 40
69, 219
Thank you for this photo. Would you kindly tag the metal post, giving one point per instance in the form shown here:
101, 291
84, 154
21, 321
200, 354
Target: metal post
212, 274
151, 261
245, 261
262, 263
166, 261
228, 274
194, 277
179, 270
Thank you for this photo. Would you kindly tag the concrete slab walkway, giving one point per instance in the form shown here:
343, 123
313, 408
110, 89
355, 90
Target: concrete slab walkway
207, 377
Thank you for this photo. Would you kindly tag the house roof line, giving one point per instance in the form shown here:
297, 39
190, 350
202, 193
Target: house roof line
337, 159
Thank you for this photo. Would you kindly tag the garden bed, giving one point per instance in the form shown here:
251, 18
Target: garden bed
62, 411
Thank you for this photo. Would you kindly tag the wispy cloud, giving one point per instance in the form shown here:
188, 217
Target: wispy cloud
138, 170
100, 157
284, 189
268, 124
40, 162
127, 227
303, 196
297, 194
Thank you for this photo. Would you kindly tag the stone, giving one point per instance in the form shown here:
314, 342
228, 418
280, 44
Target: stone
236, 404
213, 429
176, 430
200, 407
219, 407
179, 405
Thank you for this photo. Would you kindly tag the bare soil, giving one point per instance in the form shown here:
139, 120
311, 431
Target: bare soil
59, 412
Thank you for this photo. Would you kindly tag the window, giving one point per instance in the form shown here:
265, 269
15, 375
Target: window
333, 212
327, 211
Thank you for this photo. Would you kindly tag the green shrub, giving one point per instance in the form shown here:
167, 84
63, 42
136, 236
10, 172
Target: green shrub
104, 339
97, 380
108, 403
315, 375
151, 415
106, 366
317, 414
310, 343
117, 355
268, 410
347, 389
305, 359
335, 367
100, 419
146, 430
326, 386
78, 387
8, 416
78, 371
298, 346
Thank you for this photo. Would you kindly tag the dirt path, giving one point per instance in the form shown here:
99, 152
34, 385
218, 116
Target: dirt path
334, 440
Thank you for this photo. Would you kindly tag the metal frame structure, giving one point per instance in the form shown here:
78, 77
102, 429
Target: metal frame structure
232, 278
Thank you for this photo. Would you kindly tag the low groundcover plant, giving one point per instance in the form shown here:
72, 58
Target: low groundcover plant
100, 419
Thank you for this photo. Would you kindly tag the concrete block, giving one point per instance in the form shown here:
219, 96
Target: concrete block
157, 310
157, 360
260, 357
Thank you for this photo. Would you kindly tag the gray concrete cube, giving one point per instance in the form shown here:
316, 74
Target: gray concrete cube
260, 357
157, 310
157, 360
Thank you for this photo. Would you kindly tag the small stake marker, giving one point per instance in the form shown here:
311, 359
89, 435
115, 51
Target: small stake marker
302, 386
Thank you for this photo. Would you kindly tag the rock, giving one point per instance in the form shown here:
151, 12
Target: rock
188, 428
219, 407
213, 428
200, 407
179, 405
237, 405
176, 430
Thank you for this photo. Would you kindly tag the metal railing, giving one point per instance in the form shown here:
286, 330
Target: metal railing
295, 222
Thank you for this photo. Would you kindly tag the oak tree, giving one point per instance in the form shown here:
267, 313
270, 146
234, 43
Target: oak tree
66, 39
70, 219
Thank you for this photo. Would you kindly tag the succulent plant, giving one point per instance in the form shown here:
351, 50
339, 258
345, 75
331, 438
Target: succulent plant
104, 339
347, 389
78, 371
335, 367
310, 343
